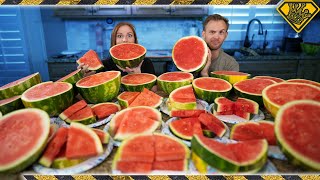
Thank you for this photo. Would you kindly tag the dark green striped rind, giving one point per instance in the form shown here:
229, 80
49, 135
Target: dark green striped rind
178, 134
123, 103
168, 87
139, 87
18, 89
128, 63
101, 93
232, 79
53, 105
74, 78
85, 121
253, 97
209, 96
11, 106
225, 165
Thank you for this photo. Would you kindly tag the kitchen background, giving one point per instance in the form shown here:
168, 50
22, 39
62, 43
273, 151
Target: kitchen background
49, 39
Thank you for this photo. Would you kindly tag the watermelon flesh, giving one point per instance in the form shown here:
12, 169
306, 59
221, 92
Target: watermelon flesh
300, 144
127, 54
212, 123
304, 81
275, 79
23, 137
97, 79
246, 105
46, 90
103, 136
137, 167
104, 110
82, 142
54, 147
91, 59
190, 53
147, 98
73, 109
126, 98
223, 104
176, 165
186, 113
182, 98
253, 86
84, 116
183, 128
172, 80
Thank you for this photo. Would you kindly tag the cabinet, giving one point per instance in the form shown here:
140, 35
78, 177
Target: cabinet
309, 69
60, 69
163, 11
285, 69
92, 11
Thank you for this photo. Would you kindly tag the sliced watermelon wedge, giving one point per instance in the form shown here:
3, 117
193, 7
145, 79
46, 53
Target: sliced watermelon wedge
103, 136
223, 104
213, 124
83, 116
91, 59
82, 142
240, 156
183, 128
147, 98
186, 113
126, 98
103, 110
73, 109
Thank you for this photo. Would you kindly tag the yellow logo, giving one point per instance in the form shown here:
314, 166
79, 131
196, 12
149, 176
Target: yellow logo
298, 13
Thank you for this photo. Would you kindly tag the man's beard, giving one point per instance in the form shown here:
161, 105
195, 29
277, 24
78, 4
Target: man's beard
213, 48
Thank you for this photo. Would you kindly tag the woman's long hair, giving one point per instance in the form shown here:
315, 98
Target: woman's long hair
115, 30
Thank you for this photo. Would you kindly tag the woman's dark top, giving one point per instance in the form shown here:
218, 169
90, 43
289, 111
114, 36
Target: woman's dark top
146, 67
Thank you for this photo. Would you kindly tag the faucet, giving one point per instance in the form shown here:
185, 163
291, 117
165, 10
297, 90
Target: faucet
248, 43
265, 43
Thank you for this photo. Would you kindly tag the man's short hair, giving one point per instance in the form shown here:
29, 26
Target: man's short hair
215, 17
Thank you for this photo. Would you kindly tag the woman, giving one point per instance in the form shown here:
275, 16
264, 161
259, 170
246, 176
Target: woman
123, 32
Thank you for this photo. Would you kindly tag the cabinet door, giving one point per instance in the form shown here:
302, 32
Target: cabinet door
309, 69
190, 11
151, 10
73, 11
59, 70
111, 11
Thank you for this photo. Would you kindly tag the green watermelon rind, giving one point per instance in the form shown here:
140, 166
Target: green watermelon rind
102, 92
178, 134
232, 79
11, 106
72, 79
134, 62
139, 87
172, 105
63, 162
19, 88
111, 129
85, 121
293, 156
272, 107
225, 165
122, 102
53, 105
169, 86
210, 95
37, 151
204, 59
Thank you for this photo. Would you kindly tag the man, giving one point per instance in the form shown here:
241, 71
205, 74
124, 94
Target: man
215, 31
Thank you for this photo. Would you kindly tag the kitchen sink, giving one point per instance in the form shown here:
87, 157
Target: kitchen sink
250, 52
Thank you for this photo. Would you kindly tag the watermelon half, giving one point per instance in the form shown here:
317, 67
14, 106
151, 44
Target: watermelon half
172, 80
275, 79
182, 98
100, 87
127, 54
91, 59
52, 97
297, 127
19, 86
276, 95
252, 89
137, 82
10, 104
24, 135
208, 88
190, 53
304, 81
231, 76
240, 156
126, 98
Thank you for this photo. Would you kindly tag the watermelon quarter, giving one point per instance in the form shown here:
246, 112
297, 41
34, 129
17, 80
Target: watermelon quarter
24, 135
172, 80
100, 87
19, 86
252, 89
127, 54
242, 156
91, 59
231, 76
137, 82
52, 97
10, 104
182, 98
276, 95
208, 89
190, 53
297, 130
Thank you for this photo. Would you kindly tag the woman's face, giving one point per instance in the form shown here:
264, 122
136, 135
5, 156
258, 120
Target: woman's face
125, 35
